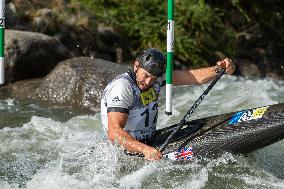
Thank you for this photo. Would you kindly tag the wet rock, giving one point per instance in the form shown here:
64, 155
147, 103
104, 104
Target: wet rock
111, 45
24, 89
79, 82
245, 67
77, 31
259, 68
79, 41
103, 43
31, 55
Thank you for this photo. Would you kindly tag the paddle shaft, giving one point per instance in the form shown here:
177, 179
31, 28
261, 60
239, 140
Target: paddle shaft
191, 110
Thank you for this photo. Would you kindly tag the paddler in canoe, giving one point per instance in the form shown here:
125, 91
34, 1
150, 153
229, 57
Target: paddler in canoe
129, 105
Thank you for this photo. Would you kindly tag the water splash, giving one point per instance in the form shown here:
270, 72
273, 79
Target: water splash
228, 95
45, 152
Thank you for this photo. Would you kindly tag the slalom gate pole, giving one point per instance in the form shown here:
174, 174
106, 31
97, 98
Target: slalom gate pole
2, 37
190, 111
170, 48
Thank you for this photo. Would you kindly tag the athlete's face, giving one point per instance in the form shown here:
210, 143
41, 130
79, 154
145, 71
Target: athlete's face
143, 78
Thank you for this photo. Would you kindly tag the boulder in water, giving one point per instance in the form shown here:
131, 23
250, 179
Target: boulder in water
79, 82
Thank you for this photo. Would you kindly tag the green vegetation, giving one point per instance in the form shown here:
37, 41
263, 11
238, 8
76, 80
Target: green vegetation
204, 30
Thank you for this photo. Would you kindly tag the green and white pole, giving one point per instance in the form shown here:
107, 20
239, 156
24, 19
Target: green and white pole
170, 49
2, 31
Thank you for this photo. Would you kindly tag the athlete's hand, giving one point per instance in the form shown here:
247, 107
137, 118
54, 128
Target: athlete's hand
151, 153
228, 65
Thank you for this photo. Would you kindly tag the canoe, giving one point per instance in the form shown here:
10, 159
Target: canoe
238, 132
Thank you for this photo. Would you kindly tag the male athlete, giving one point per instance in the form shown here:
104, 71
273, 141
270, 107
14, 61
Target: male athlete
129, 107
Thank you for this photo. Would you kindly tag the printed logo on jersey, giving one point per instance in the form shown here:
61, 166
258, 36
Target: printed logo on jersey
115, 99
148, 96
247, 115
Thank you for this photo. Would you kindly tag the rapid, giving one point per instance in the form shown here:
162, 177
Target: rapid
53, 147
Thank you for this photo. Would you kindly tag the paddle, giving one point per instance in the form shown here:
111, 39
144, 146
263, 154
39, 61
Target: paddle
190, 111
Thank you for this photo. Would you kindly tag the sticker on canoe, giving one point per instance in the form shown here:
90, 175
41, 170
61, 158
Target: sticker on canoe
247, 115
181, 154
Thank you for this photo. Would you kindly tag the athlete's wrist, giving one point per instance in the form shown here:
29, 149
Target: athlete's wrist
218, 68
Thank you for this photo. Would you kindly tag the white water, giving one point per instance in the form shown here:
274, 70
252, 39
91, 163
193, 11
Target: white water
46, 152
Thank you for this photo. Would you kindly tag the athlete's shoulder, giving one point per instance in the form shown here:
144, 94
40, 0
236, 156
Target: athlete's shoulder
120, 79
119, 93
120, 85
121, 82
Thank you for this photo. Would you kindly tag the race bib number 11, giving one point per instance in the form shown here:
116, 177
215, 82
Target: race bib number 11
148, 96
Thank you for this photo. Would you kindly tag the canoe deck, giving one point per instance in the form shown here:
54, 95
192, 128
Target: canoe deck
238, 132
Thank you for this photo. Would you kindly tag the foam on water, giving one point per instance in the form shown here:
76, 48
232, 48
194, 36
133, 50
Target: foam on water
49, 154
7, 104
229, 94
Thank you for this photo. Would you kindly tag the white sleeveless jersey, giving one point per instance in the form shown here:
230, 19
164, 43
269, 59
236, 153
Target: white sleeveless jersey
123, 95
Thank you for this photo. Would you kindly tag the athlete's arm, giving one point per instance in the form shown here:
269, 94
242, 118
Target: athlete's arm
116, 133
201, 76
